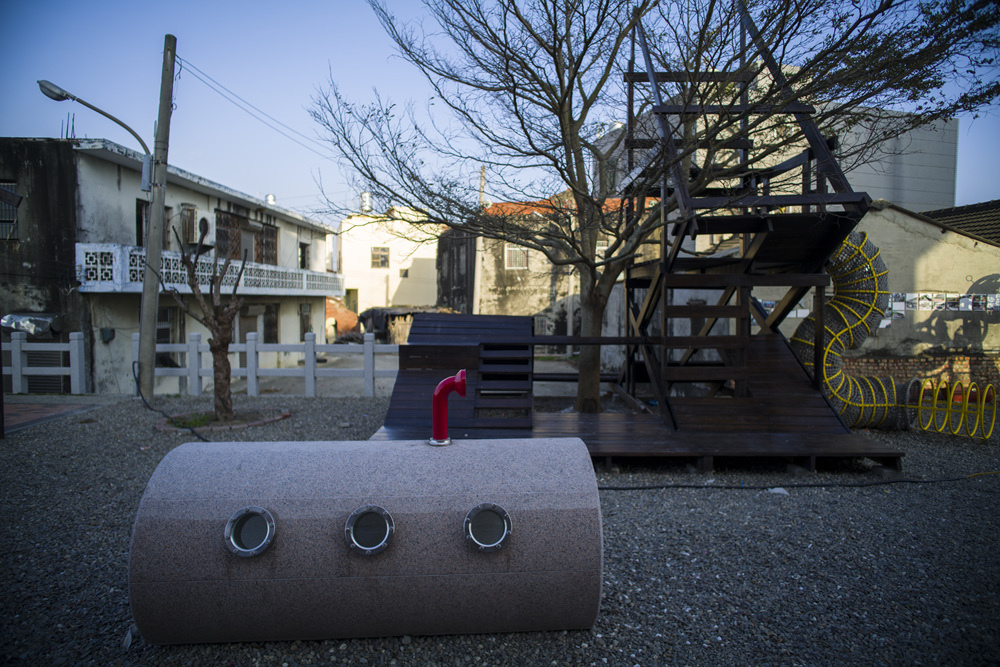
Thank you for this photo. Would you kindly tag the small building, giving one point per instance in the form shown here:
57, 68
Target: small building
75, 248
387, 260
484, 276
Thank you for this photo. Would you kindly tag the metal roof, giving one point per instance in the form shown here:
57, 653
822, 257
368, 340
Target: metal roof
980, 220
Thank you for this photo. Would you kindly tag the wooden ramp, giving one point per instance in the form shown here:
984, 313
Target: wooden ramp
784, 417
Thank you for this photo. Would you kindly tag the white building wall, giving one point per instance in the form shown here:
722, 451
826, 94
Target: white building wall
411, 252
106, 213
915, 171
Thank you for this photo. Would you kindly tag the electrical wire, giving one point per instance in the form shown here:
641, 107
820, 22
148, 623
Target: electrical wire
135, 376
816, 485
232, 98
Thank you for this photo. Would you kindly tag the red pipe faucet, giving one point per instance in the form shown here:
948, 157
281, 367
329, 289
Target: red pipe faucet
439, 407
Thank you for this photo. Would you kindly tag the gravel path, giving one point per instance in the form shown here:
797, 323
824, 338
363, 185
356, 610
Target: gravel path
893, 573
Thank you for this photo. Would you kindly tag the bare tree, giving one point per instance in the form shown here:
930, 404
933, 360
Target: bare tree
533, 90
217, 315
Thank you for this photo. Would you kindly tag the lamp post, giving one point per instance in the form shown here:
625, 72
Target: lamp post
154, 239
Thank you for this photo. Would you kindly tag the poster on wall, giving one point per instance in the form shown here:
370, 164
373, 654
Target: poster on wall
940, 301
912, 301
926, 301
993, 303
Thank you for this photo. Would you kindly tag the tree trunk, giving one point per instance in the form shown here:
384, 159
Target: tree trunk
588, 391
221, 371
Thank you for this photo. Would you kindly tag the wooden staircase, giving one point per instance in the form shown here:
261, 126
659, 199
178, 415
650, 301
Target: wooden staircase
781, 239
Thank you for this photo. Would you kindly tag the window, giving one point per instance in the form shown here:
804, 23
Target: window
187, 224
8, 213
305, 320
141, 221
270, 322
404, 273
515, 257
228, 237
600, 249
304, 256
380, 258
265, 247
169, 329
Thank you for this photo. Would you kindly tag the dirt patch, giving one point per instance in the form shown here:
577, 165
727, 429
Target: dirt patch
205, 420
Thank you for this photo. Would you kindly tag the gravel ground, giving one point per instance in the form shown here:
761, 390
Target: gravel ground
889, 573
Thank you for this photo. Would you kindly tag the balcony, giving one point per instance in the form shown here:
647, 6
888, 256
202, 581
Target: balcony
115, 268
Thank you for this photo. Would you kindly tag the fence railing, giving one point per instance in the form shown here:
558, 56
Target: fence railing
196, 354
19, 369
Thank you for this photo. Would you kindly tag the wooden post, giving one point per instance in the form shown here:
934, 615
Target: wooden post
194, 364
18, 361
818, 336
135, 359
77, 364
310, 364
253, 382
369, 352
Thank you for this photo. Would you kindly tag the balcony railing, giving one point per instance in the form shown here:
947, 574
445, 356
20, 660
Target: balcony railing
110, 267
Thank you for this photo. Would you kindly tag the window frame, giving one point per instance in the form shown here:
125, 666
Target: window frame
380, 257
519, 254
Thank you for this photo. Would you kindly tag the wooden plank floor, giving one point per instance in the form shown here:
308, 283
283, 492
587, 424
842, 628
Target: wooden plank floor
785, 417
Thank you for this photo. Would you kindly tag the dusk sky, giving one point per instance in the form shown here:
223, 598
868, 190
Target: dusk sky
274, 56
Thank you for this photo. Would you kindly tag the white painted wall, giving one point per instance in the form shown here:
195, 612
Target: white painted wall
915, 171
411, 249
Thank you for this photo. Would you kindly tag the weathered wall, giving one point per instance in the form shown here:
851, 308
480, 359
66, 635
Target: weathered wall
543, 290
922, 258
37, 272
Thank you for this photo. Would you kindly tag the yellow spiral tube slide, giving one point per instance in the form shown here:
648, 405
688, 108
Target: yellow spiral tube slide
860, 296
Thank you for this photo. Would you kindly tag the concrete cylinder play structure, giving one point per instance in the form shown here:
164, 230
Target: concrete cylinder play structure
259, 541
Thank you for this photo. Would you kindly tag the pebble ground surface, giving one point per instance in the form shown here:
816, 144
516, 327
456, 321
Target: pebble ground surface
753, 564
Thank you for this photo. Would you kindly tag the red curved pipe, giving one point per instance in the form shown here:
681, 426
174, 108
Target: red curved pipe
439, 406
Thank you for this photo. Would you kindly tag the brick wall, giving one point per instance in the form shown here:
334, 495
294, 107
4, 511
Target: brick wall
981, 369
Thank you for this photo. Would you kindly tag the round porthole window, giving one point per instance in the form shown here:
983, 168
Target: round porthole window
369, 530
487, 527
250, 531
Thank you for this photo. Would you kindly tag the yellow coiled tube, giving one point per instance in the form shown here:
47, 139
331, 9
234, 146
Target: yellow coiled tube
860, 296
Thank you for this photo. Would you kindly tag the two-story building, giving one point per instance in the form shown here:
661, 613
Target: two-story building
74, 250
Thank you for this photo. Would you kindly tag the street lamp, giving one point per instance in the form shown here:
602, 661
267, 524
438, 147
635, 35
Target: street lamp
56, 93
154, 239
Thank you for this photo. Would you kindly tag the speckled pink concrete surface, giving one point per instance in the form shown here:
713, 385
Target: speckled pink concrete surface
186, 586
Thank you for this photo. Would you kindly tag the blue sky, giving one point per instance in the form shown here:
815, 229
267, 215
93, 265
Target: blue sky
274, 55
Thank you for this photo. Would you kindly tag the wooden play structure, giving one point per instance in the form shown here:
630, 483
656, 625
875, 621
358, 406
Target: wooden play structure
726, 388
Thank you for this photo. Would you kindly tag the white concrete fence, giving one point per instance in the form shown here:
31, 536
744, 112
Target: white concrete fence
19, 370
195, 353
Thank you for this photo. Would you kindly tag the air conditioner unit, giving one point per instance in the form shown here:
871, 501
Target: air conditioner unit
194, 225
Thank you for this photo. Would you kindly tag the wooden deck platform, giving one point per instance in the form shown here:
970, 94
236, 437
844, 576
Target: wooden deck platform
784, 417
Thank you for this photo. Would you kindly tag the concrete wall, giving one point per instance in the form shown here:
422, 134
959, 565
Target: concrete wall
922, 258
37, 273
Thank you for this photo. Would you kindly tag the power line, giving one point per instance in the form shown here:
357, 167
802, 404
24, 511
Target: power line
239, 102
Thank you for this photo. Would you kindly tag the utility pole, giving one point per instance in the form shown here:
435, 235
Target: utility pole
154, 237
